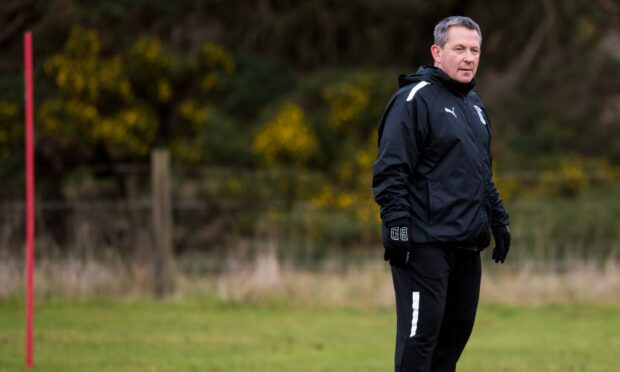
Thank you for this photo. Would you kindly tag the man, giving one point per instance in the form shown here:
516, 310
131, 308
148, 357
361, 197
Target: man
433, 181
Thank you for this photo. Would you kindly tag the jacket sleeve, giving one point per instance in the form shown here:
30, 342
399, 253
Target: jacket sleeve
401, 134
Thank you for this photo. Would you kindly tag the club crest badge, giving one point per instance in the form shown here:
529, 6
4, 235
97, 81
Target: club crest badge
480, 115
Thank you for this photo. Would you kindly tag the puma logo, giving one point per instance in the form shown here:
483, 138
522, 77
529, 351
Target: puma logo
450, 111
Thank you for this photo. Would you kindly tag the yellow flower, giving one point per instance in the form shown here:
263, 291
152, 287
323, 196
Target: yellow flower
344, 200
210, 82
347, 101
287, 138
76, 70
133, 129
164, 91
197, 117
215, 57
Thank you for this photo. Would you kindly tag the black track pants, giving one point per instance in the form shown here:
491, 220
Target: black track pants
436, 300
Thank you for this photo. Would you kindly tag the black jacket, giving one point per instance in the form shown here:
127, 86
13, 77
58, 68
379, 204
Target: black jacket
434, 166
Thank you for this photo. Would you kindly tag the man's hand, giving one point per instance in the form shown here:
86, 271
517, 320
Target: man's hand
502, 243
396, 243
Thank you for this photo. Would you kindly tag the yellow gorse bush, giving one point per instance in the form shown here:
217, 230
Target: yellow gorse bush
346, 101
84, 79
113, 79
190, 111
63, 120
151, 64
569, 179
75, 70
79, 73
287, 138
349, 192
131, 130
114, 100
190, 149
507, 186
216, 60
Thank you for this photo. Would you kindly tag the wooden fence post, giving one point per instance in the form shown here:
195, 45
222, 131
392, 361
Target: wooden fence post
163, 254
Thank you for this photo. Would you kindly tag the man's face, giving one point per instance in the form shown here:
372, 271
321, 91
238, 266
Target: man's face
460, 55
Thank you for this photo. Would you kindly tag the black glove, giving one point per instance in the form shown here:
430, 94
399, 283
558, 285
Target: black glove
502, 243
396, 243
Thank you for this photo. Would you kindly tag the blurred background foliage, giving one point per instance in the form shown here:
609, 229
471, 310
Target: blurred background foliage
274, 103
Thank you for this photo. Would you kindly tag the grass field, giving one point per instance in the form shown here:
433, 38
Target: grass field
143, 335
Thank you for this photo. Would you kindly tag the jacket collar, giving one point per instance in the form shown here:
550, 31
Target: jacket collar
438, 76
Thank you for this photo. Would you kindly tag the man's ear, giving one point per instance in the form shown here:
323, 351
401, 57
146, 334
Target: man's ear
436, 53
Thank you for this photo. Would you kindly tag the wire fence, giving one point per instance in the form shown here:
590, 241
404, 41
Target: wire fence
218, 211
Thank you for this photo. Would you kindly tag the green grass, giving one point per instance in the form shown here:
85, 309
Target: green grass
206, 336
544, 338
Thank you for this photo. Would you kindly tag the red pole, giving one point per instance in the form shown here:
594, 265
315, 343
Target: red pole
29, 100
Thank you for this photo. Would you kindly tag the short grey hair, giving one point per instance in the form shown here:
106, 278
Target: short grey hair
441, 30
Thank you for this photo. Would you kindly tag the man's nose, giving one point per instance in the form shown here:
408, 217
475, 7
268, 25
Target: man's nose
469, 57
